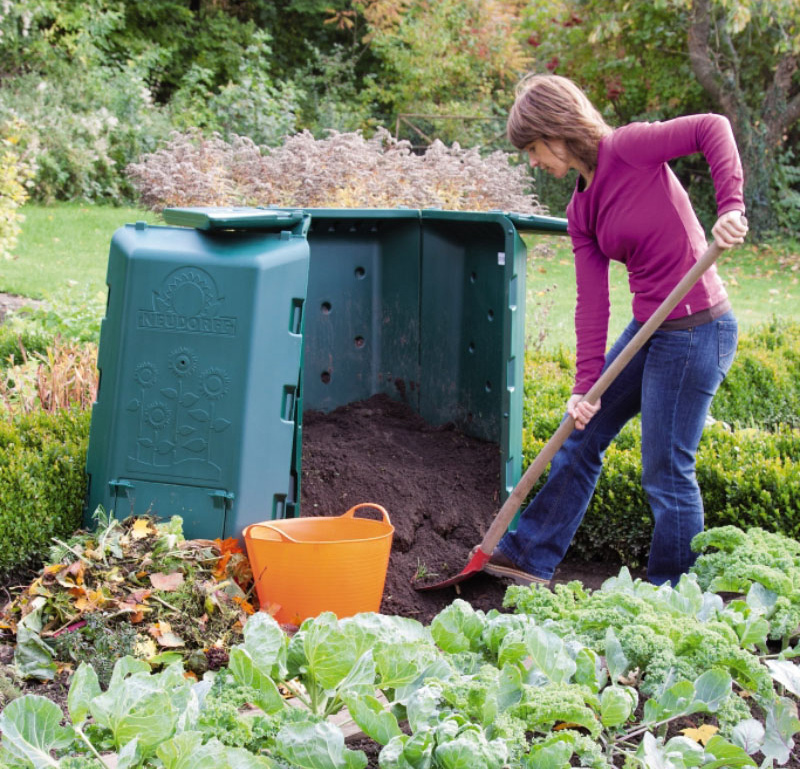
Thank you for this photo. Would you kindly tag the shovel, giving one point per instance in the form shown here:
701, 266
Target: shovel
483, 552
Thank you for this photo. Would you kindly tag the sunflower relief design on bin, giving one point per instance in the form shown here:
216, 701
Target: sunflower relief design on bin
178, 409
179, 420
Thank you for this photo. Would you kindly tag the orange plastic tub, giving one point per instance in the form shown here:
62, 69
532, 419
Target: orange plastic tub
305, 566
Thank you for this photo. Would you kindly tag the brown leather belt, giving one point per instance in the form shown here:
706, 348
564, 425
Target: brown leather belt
697, 318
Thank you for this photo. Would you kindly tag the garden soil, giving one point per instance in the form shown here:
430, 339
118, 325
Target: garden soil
439, 487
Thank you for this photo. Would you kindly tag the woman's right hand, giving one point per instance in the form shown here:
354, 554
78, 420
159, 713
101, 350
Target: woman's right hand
581, 411
730, 229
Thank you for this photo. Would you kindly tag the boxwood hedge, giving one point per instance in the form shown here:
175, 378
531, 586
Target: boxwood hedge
42, 482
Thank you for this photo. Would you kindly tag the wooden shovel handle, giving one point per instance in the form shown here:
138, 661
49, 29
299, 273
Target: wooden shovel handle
543, 458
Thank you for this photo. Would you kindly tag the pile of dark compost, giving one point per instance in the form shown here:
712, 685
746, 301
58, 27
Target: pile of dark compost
440, 487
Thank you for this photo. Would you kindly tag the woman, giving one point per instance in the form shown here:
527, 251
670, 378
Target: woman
629, 206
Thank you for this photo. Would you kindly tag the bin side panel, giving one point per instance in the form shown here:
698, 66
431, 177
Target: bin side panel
514, 385
362, 314
463, 347
271, 366
180, 397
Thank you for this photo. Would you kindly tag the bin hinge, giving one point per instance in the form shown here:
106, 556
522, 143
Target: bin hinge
116, 485
226, 497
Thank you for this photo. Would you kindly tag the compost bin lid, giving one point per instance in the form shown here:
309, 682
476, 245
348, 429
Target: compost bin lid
234, 218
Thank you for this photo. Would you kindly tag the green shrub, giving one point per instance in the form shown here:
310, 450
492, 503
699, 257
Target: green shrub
748, 478
253, 105
42, 482
14, 338
749, 475
751, 478
81, 128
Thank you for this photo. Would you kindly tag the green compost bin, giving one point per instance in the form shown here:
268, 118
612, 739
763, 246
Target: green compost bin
330, 306
427, 307
199, 355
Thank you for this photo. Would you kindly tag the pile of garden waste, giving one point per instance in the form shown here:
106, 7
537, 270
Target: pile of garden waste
134, 587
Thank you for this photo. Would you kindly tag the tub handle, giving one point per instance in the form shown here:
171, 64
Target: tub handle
281, 534
382, 510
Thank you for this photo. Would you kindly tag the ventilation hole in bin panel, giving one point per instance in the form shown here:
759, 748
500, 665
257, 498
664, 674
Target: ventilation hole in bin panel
326, 308
359, 342
360, 273
325, 377
490, 315
488, 387
473, 277
471, 348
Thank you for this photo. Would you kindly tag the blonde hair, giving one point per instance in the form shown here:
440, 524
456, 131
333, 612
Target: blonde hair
553, 107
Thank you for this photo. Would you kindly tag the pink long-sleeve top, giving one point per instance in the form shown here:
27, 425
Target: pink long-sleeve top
635, 211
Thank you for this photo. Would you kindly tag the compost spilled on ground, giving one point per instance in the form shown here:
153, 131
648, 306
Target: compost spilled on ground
440, 487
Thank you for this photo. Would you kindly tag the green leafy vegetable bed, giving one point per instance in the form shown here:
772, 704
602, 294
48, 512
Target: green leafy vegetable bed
629, 675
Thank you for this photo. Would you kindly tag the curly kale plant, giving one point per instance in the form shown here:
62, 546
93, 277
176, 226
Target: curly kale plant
760, 564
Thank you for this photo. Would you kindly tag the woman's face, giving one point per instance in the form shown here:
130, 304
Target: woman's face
550, 156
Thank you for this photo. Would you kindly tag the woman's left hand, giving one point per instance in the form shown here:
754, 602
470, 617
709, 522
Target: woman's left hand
730, 229
581, 411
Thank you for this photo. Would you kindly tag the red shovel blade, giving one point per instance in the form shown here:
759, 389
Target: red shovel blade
476, 564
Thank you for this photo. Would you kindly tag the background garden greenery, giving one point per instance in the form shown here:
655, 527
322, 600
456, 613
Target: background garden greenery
88, 86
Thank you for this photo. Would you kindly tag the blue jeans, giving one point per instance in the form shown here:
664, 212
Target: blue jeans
671, 381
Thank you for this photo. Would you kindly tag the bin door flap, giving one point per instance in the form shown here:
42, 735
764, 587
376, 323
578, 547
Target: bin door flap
203, 509
536, 223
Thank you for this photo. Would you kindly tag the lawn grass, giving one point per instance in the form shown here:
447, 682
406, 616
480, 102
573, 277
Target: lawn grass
762, 281
66, 245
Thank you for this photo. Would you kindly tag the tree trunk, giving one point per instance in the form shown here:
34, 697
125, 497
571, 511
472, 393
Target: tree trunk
760, 135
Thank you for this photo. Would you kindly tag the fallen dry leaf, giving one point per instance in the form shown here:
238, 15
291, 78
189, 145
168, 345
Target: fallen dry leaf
246, 606
162, 632
142, 529
702, 734
92, 601
145, 648
71, 575
170, 640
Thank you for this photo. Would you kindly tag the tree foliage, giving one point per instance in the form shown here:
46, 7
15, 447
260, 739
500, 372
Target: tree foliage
448, 58
267, 68
670, 57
